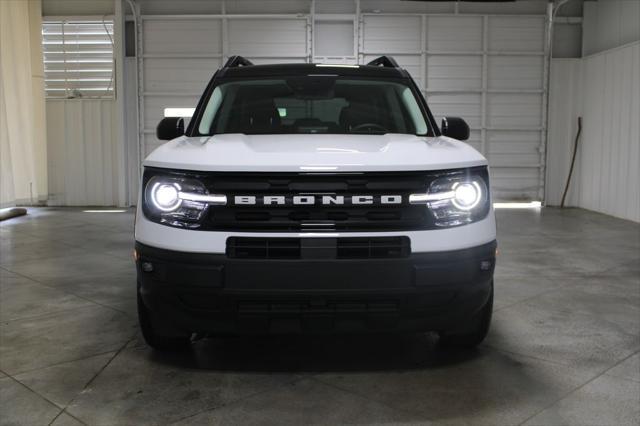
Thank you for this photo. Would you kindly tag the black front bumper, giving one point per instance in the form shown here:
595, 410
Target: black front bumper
212, 293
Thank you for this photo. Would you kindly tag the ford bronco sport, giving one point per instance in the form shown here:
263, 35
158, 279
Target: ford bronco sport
314, 198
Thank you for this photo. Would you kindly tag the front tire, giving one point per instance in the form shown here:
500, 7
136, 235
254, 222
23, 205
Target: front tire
478, 332
154, 337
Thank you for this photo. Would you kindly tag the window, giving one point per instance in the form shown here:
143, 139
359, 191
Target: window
309, 104
78, 58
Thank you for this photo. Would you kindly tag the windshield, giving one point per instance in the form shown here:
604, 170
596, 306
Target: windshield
312, 104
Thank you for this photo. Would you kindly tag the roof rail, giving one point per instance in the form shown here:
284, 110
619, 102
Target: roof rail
237, 61
385, 61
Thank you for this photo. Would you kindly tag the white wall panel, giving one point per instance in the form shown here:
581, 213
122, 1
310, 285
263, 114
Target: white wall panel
514, 183
333, 38
285, 38
487, 69
610, 148
160, 74
82, 152
516, 34
459, 72
454, 33
509, 148
180, 54
397, 34
183, 36
604, 89
515, 72
514, 110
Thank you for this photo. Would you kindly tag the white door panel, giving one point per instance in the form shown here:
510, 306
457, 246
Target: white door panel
487, 69
180, 55
184, 36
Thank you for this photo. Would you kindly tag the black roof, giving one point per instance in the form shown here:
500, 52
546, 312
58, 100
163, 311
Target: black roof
384, 67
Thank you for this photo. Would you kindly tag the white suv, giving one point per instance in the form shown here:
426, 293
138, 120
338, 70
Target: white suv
314, 198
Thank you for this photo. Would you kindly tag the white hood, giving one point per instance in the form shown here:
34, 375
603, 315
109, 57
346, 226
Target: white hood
308, 153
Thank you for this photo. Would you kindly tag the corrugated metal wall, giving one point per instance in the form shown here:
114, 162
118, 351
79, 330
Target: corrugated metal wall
487, 69
604, 89
610, 150
82, 152
180, 54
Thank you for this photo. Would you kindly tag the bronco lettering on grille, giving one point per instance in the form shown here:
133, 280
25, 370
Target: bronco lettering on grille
309, 200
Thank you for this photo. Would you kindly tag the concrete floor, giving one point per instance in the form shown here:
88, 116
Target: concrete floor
564, 347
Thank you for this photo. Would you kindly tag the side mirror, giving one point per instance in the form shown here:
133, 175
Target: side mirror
455, 127
170, 128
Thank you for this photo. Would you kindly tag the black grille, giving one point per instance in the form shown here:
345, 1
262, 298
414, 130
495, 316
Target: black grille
318, 248
376, 217
277, 218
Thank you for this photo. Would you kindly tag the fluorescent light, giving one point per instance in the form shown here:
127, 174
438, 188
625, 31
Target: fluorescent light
531, 205
103, 211
179, 112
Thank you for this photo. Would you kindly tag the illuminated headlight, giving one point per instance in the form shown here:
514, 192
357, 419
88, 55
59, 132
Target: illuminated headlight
467, 195
178, 201
456, 199
165, 196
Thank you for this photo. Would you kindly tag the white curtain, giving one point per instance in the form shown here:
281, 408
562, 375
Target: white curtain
23, 148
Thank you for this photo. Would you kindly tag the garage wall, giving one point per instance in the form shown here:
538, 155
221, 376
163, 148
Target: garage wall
604, 89
565, 106
180, 53
495, 78
82, 152
610, 149
609, 24
488, 69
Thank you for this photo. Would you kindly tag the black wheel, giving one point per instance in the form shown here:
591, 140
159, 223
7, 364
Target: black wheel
475, 336
154, 337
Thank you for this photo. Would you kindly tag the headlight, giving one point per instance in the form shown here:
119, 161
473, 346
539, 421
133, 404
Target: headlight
165, 196
457, 198
178, 201
467, 195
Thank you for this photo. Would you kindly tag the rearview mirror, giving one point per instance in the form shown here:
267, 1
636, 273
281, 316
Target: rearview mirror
170, 128
455, 127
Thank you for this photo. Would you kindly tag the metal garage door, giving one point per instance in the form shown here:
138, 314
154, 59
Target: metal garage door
179, 54
488, 69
